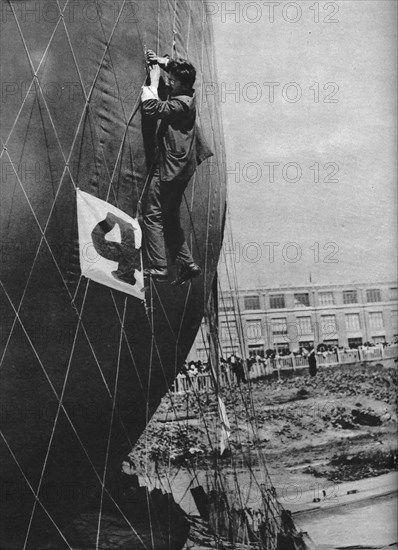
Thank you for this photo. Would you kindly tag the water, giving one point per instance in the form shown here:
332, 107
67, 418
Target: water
371, 523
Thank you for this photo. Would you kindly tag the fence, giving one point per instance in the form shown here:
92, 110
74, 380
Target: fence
204, 382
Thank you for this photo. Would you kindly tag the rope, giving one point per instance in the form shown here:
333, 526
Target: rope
54, 427
147, 180
205, 292
135, 111
158, 29
171, 328
218, 345
273, 506
153, 343
154, 347
173, 45
87, 96
189, 27
128, 346
148, 391
192, 225
43, 231
34, 75
16, 311
65, 411
194, 233
192, 386
110, 427
43, 238
33, 491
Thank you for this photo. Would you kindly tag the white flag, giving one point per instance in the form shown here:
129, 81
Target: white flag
110, 245
225, 426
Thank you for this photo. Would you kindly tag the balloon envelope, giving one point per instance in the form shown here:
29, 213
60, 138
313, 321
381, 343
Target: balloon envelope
83, 367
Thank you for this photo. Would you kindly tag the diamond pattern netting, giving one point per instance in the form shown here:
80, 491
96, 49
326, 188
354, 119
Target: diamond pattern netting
67, 140
42, 229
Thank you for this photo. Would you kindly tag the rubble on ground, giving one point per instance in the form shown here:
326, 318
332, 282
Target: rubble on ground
298, 418
351, 467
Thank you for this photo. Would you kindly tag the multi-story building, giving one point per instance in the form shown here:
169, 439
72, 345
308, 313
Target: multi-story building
292, 317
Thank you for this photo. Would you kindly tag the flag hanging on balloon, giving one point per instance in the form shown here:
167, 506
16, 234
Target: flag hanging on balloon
109, 245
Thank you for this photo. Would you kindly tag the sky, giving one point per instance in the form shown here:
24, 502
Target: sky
308, 94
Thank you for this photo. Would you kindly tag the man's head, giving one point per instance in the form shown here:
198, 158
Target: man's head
182, 75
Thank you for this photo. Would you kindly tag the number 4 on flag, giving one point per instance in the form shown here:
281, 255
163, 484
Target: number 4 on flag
109, 245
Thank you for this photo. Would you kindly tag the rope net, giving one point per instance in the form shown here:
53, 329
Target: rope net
233, 491
82, 367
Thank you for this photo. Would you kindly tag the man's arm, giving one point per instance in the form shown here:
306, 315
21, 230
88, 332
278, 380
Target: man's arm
151, 91
172, 109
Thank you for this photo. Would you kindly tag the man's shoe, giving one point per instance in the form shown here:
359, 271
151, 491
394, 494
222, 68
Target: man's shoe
187, 272
156, 273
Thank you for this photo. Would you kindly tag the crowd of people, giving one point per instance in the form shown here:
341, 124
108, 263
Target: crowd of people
234, 363
195, 367
269, 358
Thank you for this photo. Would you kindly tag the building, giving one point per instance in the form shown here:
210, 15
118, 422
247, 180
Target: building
288, 318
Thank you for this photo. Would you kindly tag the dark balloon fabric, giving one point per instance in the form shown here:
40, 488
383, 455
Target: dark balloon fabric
82, 367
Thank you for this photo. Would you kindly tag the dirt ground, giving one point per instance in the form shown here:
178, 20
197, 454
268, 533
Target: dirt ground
339, 426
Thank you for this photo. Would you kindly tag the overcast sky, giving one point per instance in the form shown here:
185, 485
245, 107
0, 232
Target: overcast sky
331, 119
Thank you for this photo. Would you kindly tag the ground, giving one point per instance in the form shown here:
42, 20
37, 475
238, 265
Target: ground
318, 437
339, 426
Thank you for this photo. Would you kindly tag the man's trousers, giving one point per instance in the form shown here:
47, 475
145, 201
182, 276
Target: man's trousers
162, 227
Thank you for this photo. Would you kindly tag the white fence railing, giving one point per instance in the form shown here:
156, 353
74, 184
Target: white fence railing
390, 351
203, 382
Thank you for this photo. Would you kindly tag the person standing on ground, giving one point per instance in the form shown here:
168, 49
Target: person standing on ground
312, 361
180, 149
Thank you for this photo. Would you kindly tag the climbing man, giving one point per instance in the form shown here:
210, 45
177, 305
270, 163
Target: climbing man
180, 149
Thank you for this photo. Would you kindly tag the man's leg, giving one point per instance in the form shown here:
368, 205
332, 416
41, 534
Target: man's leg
153, 225
171, 198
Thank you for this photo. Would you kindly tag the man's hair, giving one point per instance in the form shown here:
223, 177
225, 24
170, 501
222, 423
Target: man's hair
183, 70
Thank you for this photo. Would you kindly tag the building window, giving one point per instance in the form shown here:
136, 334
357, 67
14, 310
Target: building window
373, 295
378, 339
282, 348
350, 297
354, 343
253, 330
326, 298
394, 318
352, 322
279, 326
328, 326
277, 301
305, 325
256, 350
226, 303
393, 294
302, 300
376, 320
228, 331
251, 302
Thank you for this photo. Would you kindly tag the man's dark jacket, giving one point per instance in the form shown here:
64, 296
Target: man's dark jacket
181, 145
